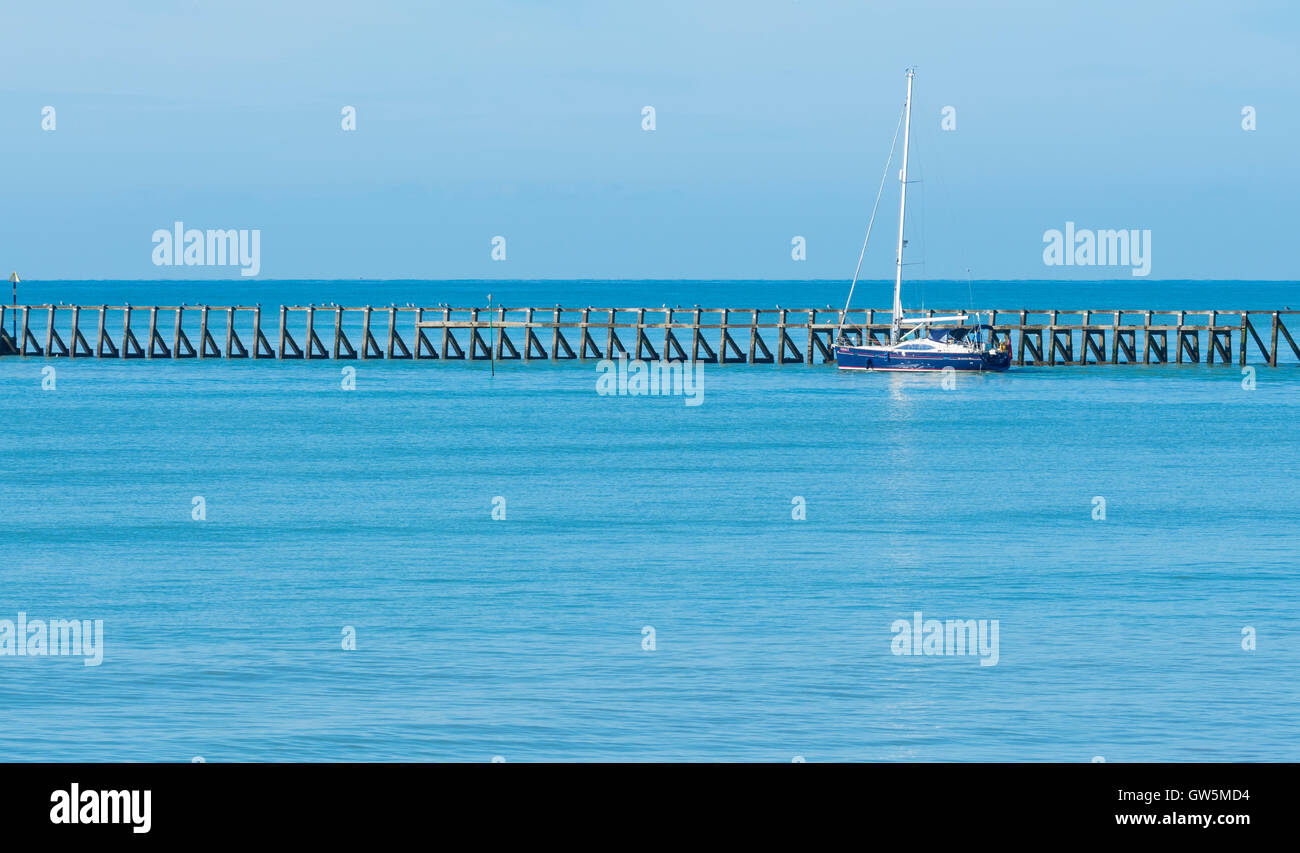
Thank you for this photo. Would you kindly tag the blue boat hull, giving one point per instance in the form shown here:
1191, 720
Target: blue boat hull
876, 358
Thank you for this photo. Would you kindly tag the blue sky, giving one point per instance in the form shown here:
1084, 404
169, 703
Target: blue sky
523, 119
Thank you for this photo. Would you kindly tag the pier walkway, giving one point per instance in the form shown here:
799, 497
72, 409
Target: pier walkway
714, 335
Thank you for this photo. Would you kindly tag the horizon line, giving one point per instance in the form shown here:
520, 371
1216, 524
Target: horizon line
1143, 280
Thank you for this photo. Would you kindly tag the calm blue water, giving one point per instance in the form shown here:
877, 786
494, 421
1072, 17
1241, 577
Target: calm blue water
522, 638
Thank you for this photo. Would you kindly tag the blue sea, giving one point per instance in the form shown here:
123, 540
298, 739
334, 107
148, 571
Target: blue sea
719, 582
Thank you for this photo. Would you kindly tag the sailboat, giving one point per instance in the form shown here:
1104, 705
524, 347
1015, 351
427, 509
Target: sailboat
920, 343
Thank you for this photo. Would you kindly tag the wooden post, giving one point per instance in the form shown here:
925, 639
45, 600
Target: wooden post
76, 337
54, 344
99, 343
1281, 327
153, 331
1178, 333
724, 337
501, 336
1241, 355
1209, 356
1086, 336
422, 344
812, 333
1024, 315
695, 336
76, 331
311, 331
1146, 338
27, 332
284, 319
1273, 354
257, 332
366, 337
1051, 331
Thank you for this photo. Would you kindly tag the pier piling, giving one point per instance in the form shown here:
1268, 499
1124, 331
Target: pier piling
776, 336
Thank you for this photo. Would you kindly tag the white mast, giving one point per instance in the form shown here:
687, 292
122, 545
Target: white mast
902, 212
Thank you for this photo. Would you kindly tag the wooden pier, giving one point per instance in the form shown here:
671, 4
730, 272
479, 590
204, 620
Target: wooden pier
714, 335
